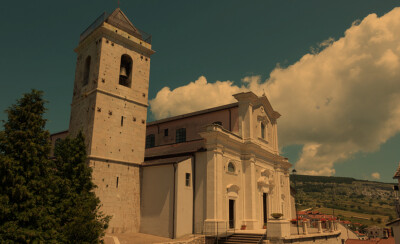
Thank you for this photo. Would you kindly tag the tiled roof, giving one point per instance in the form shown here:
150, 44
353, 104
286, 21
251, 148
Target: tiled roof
165, 161
182, 116
389, 240
174, 149
397, 174
356, 241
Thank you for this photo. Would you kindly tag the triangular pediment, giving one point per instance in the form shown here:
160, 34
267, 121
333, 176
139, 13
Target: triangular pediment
119, 20
258, 102
264, 102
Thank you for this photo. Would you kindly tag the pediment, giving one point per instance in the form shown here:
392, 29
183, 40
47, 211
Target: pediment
265, 106
232, 188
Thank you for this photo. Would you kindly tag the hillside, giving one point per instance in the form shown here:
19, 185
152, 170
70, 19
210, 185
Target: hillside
360, 201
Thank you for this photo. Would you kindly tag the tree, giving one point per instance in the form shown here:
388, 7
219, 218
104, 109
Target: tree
78, 207
26, 214
44, 200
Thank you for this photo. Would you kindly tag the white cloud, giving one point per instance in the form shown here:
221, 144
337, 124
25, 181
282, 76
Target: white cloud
376, 176
336, 102
194, 96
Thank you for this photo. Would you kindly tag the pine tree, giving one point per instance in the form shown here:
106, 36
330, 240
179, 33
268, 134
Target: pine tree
26, 214
78, 208
44, 200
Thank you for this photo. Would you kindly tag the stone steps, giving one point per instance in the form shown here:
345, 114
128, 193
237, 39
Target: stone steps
240, 238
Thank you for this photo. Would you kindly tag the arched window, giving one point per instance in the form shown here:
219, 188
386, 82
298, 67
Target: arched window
86, 71
262, 130
125, 71
231, 167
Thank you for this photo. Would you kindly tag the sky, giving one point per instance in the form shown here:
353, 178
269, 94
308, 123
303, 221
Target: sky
331, 68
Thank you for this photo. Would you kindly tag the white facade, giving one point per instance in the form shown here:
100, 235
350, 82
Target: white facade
239, 177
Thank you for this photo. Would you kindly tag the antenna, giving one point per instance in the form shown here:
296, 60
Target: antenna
118, 3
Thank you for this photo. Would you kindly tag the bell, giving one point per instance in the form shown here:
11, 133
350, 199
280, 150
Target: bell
122, 72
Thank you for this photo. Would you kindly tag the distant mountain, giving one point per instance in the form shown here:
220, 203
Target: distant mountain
366, 202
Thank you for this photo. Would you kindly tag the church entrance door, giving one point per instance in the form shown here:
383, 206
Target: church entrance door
265, 207
231, 214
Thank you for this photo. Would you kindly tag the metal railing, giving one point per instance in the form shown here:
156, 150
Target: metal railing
93, 26
263, 237
216, 230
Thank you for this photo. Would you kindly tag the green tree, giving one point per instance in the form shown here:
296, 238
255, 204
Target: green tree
26, 214
78, 207
43, 200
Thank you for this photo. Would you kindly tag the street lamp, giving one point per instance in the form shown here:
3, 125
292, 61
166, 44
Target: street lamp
295, 203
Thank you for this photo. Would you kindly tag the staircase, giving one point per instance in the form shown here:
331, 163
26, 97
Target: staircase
240, 238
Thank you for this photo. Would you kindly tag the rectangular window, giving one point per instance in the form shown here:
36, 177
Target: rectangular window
117, 181
187, 179
165, 132
150, 141
262, 131
122, 121
180, 135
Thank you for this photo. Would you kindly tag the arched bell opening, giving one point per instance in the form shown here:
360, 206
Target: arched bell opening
125, 71
86, 72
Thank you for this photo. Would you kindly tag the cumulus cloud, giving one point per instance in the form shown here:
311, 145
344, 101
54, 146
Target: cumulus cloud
335, 102
376, 176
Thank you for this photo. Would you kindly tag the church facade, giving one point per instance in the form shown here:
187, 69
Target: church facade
206, 171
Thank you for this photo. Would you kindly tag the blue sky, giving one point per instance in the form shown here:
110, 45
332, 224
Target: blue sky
224, 41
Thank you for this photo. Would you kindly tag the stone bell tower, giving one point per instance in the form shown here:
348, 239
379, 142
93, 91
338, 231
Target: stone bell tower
109, 105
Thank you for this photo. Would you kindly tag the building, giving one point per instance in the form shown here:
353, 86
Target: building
395, 224
210, 170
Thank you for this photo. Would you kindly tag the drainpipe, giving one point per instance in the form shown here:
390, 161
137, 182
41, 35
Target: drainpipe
173, 204
230, 120
193, 191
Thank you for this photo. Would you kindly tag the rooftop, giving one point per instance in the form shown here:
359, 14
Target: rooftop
117, 19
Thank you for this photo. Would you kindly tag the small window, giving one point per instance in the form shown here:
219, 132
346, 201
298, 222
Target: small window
86, 71
117, 181
180, 135
262, 130
187, 179
125, 71
231, 167
150, 141
122, 121
217, 123
166, 132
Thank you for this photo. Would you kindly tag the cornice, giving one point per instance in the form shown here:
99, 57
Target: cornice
107, 30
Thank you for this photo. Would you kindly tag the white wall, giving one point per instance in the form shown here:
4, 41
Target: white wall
184, 199
157, 200
200, 191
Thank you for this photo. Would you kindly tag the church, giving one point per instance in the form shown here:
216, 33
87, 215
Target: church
209, 170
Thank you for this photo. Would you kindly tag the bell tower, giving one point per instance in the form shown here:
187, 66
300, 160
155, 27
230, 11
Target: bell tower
109, 105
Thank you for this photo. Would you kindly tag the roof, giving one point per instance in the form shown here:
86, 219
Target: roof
397, 174
396, 221
117, 19
164, 161
176, 149
182, 116
357, 241
389, 240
